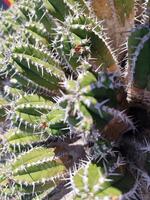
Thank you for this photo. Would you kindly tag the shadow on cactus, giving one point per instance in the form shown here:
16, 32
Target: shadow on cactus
74, 123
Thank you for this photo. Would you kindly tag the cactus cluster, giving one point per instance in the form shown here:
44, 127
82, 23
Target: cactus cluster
67, 99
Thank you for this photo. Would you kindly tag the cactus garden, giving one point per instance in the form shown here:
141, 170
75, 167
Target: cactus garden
75, 100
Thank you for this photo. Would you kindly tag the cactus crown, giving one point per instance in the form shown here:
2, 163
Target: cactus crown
62, 99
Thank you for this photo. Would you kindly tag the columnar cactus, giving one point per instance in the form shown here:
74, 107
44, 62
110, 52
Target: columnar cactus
138, 78
64, 100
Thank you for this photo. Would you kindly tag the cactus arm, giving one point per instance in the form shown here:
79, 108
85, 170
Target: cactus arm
35, 167
17, 138
140, 75
139, 68
58, 9
63, 8
102, 186
36, 66
138, 63
100, 51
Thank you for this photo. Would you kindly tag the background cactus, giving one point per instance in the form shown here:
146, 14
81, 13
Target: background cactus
118, 19
67, 99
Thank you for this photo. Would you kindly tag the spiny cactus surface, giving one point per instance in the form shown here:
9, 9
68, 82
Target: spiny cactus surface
67, 100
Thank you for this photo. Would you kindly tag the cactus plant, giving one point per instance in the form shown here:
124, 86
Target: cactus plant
67, 100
